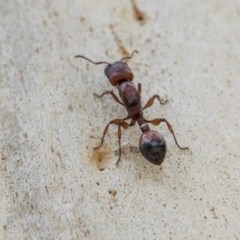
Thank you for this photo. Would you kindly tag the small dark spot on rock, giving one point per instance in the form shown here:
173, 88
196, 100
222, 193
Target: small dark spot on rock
139, 15
112, 192
82, 19
44, 22
55, 14
70, 108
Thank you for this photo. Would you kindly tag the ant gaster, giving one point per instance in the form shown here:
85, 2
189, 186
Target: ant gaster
152, 145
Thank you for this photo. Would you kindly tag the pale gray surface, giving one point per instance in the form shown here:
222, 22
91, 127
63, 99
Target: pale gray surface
189, 52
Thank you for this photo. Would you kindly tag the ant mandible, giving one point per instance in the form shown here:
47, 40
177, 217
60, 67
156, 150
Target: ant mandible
152, 145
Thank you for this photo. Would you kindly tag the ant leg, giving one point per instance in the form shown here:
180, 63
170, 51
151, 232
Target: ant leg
112, 94
120, 123
139, 88
157, 121
151, 100
119, 145
116, 121
132, 123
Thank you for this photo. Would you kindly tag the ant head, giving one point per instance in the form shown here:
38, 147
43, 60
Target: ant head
117, 72
153, 146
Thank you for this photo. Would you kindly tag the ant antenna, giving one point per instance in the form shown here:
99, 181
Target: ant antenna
134, 51
96, 63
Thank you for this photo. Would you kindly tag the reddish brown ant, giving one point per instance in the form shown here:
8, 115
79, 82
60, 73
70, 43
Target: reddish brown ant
152, 145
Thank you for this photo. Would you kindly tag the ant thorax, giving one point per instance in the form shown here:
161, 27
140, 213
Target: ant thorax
131, 99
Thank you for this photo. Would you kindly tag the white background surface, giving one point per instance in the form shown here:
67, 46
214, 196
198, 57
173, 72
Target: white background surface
50, 184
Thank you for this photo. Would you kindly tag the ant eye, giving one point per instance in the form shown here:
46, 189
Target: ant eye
153, 147
106, 70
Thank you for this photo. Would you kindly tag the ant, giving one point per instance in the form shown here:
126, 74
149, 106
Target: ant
151, 144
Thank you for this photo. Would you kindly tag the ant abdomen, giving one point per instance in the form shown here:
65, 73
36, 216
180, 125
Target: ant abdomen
153, 146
